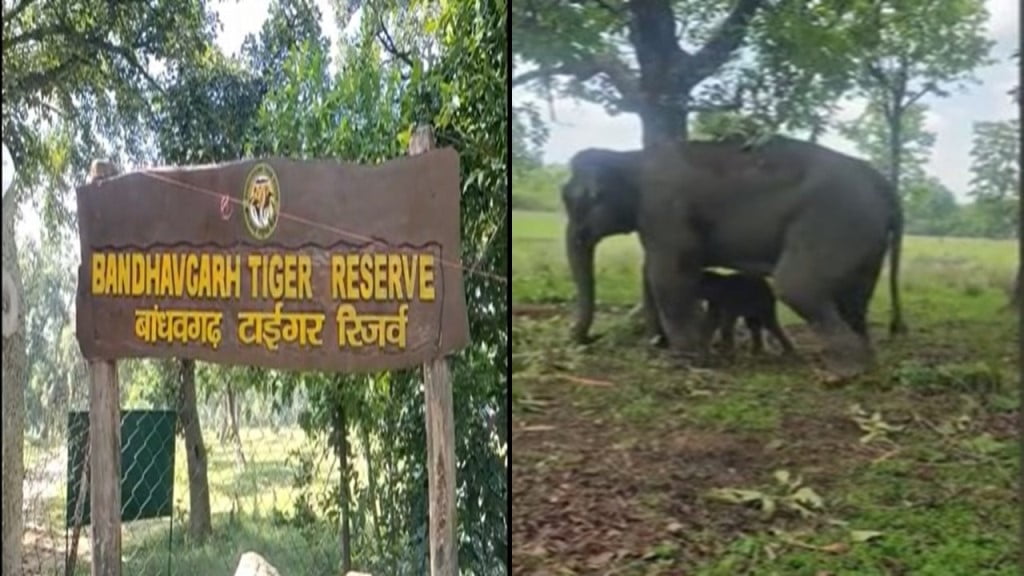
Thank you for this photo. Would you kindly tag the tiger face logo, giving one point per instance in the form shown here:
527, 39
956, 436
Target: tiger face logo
261, 201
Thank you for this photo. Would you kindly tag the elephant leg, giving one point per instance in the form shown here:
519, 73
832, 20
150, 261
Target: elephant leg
728, 328
674, 292
853, 300
775, 329
756, 336
853, 310
709, 325
652, 323
580, 250
805, 287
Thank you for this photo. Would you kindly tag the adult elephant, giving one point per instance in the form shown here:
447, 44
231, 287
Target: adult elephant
818, 221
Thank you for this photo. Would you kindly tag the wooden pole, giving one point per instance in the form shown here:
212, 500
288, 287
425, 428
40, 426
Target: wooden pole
440, 421
104, 449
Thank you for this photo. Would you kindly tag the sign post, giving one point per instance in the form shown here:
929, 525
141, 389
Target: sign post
312, 265
440, 417
104, 445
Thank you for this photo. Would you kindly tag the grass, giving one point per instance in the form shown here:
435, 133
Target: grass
910, 469
248, 505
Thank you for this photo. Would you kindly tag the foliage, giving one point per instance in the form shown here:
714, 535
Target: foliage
995, 169
205, 113
537, 188
365, 112
891, 53
79, 72
720, 126
48, 291
930, 209
528, 136
871, 132
626, 57
408, 63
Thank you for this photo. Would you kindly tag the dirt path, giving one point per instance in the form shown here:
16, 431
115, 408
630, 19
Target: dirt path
44, 540
614, 457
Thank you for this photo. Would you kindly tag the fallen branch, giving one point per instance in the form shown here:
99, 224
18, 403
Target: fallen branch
536, 310
834, 548
536, 428
587, 381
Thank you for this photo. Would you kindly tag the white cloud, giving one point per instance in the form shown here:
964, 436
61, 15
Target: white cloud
1004, 19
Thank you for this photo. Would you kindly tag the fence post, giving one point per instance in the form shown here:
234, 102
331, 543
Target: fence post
104, 448
440, 422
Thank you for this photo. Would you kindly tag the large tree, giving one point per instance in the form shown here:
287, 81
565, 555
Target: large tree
894, 54
75, 75
871, 132
206, 113
411, 63
642, 57
995, 174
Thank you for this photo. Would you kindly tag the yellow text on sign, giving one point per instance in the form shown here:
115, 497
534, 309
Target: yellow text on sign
382, 277
281, 276
166, 275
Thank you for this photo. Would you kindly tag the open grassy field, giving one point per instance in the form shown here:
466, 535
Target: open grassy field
625, 464
248, 504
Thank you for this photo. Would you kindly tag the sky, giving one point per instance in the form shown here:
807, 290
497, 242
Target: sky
579, 125
242, 17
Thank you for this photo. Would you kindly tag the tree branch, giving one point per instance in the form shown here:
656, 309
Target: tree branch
388, 43
727, 39
917, 96
37, 34
878, 75
622, 77
40, 81
617, 11
129, 55
18, 9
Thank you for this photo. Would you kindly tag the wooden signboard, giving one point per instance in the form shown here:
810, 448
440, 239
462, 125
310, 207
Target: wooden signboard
276, 263
285, 264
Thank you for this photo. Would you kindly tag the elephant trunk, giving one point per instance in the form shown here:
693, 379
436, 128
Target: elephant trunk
580, 250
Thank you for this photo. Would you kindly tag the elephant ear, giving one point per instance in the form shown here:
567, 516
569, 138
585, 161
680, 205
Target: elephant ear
594, 173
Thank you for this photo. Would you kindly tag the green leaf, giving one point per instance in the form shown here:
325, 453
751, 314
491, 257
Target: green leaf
808, 497
864, 535
736, 496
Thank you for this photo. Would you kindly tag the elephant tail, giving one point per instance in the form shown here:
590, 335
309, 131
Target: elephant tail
896, 326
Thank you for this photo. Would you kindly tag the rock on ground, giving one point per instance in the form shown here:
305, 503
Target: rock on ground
252, 564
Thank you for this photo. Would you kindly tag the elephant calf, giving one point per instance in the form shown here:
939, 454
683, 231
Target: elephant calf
730, 297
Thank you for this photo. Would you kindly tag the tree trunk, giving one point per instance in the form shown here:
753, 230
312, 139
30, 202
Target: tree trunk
659, 124
340, 441
664, 98
234, 429
15, 364
199, 525
896, 148
371, 478
223, 423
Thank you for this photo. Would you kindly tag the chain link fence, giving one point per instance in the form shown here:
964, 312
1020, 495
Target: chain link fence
185, 510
